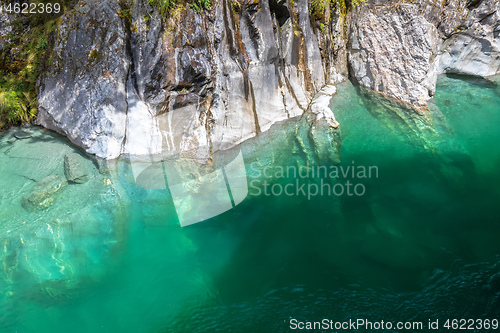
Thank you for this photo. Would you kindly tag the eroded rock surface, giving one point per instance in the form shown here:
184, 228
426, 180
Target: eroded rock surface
221, 75
130, 81
392, 52
5, 28
398, 48
476, 49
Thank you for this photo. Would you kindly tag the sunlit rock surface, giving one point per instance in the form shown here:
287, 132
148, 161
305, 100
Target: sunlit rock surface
220, 76
399, 47
138, 83
83, 88
475, 49
392, 52
5, 27
145, 84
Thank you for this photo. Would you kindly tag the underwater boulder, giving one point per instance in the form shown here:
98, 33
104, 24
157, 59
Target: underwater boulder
74, 169
45, 193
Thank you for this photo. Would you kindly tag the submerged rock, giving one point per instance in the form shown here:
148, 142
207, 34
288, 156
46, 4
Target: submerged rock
22, 135
69, 243
320, 133
427, 129
74, 168
45, 193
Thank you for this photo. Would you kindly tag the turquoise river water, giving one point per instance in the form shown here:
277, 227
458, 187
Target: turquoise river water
421, 243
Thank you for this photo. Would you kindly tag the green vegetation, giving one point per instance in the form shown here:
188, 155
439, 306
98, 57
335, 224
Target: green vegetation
28, 42
318, 7
126, 14
199, 5
94, 54
322, 27
235, 6
166, 6
20, 61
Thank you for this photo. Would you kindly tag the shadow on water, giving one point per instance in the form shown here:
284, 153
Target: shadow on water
477, 81
407, 225
33, 135
420, 244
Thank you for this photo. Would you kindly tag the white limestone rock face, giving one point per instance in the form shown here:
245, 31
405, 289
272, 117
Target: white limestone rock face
318, 131
320, 106
476, 49
155, 85
146, 85
82, 91
313, 61
220, 76
392, 51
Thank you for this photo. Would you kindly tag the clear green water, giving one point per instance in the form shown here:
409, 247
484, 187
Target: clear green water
422, 243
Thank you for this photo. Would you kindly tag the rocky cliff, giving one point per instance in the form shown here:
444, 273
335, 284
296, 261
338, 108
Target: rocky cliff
398, 48
123, 79
142, 84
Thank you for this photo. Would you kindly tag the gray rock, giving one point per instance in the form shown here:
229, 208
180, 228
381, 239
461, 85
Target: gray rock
102, 166
392, 52
222, 75
6, 20
398, 48
82, 93
44, 193
475, 50
74, 168
230, 73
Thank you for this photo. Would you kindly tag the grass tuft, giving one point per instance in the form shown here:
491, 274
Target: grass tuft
20, 62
